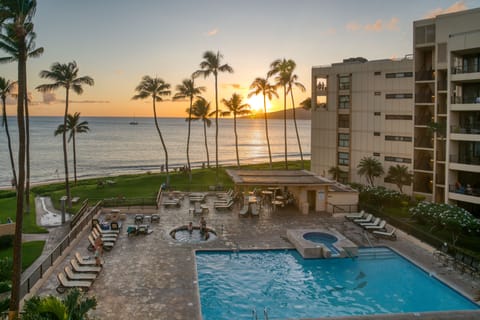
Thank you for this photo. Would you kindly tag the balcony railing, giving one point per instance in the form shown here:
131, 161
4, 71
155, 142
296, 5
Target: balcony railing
464, 159
468, 190
424, 75
424, 98
466, 69
475, 129
464, 100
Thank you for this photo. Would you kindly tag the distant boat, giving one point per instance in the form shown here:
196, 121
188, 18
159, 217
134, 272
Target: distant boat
133, 122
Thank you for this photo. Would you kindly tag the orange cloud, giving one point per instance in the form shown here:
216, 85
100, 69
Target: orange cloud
457, 6
377, 26
212, 32
353, 26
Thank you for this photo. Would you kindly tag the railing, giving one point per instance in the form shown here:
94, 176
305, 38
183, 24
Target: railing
466, 69
424, 75
79, 214
468, 190
424, 98
129, 202
29, 281
159, 197
474, 129
464, 100
343, 208
464, 159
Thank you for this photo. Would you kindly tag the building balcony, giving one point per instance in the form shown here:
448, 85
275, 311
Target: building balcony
465, 100
466, 69
424, 98
465, 194
428, 75
465, 159
475, 129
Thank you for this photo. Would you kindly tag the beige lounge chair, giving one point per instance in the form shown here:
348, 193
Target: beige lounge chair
64, 284
84, 262
111, 237
358, 215
79, 275
228, 205
107, 245
197, 208
385, 234
85, 269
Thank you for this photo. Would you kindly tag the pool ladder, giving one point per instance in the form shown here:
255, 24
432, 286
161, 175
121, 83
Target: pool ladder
255, 316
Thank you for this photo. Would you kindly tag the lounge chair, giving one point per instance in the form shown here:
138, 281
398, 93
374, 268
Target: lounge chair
171, 203
368, 218
107, 245
224, 195
112, 237
84, 262
79, 275
197, 208
380, 226
254, 209
243, 212
109, 231
224, 206
374, 223
64, 284
84, 269
358, 215
385, 234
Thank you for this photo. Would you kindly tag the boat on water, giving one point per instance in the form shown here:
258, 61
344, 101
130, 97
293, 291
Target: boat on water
133, 122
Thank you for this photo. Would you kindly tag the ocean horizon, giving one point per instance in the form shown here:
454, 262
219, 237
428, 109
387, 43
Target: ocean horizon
113, 146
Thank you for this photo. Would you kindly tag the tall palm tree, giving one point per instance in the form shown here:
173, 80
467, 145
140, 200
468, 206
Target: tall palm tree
237, 108
6, 87
400, 176
370, 168
16, 17
201, 111
291, 83
184, 90
212, 64
261, 85
282, 70
7, 43
65, 75
74, 126
154, 88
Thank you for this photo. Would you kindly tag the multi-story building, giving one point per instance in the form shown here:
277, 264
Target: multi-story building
362, 109
447, 109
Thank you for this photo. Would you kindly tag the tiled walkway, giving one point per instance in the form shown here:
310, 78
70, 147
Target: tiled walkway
153, 276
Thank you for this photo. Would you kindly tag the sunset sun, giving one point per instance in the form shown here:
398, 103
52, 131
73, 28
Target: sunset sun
256, 104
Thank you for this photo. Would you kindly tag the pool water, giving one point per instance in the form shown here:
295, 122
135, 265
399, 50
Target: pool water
379, 281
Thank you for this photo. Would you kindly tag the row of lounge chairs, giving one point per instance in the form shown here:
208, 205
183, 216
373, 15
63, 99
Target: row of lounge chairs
80, 274
377, 226
109, 237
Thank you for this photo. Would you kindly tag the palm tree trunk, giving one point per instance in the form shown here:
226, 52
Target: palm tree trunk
296, 129
27, 149
236, 138
74, 156
206, 144
163, 142
17, 242
188, 139
266, 129
285, 124
216, 130
9, 140
65, 155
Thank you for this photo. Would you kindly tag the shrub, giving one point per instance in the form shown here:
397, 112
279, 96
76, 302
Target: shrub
6, 267
6, 241
5, 286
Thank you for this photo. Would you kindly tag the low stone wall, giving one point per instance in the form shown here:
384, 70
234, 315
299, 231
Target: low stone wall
8, 228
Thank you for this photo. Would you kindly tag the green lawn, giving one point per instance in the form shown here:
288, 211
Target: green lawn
7, 209
30, 252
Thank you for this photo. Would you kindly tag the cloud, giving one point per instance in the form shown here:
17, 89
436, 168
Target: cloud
330, 31
232, 85
353, 26
377, 26
212, 32
457, 6
50, 97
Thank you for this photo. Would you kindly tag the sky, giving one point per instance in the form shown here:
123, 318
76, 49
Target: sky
117, 42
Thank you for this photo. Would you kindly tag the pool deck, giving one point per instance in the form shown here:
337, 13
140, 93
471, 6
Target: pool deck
154, 277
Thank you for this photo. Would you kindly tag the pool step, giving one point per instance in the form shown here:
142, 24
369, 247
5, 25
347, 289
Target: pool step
376, 253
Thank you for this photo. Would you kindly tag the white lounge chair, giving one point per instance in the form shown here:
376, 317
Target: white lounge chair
368, 218
79, 275
197, 208
64, 284
84, 269
385, 234
111, 237
243, 212
171, 203
224, 206
358, 215
254, 209
84, 262
380, 226
374, 223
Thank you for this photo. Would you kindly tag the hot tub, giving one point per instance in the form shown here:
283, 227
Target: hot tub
182, 234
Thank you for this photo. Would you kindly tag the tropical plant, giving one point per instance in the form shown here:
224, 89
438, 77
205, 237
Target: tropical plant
237, 108
75, 306
282, 70
307, 104
212, 64
370, 168
262, 86
336, 172
6, 87
155, 88
74, 126
400, 176
65, 75
16, 17
201, 111
184, 90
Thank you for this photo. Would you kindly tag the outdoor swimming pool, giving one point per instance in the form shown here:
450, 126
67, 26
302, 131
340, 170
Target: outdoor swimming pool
233, 284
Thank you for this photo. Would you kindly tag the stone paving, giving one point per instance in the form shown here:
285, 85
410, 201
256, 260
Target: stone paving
154, 277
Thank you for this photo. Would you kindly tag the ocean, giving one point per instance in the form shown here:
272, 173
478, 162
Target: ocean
113, 146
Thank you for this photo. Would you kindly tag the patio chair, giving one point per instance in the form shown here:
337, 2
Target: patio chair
243, 212
385, 234
254, 209
105, 232
84, 262
357, 215
171, 203
78, 276
373, 223
84, 269
197, 209
224, 206
227, 194
380, 226
107, 245
155, 218
111, 237
64, 284
368, 218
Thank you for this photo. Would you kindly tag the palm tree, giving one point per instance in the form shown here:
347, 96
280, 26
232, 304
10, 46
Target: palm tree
236, 107
212, 65
7, 43
154, 88
16, 17
261, 85
75, 306
336, 172
293, 82
5, 89
201, 111
65, 76
74, 126
282, 69
188, 89
370, 168
400, 176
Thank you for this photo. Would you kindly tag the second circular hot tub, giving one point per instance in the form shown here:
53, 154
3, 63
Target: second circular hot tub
182, 234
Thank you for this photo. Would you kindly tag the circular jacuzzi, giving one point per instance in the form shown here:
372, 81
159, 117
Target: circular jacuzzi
320, 237
182, 234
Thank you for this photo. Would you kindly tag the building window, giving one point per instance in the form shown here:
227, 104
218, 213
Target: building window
343, 139
399, 75
344, 83
344, 102
343, 158
376, 154
378, 93
398, 138
376, 134
343, 177
398, 159
377, 113
399, 96
377, 73
343, 121
398, 117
